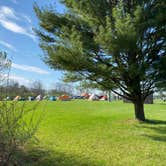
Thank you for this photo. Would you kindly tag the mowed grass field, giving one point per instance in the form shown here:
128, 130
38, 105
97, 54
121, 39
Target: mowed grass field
86, 133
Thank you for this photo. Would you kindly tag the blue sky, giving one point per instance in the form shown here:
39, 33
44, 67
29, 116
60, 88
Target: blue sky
17, 19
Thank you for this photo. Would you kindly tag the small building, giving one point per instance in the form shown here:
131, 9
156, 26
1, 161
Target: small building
148, 100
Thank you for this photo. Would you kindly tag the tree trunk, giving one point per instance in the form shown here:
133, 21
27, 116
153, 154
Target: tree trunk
139, 110
109, 96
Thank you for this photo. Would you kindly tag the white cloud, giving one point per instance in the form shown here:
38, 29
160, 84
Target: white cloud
8, 18
15, 28
27, 18
7, 45
21, 80
29, 68
7, 12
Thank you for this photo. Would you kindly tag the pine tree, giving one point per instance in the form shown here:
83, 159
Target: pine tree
115, 43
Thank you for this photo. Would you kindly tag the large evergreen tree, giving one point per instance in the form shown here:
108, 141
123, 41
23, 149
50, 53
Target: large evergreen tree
115, 43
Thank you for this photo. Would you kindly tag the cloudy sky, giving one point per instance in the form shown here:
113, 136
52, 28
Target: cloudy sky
17, 38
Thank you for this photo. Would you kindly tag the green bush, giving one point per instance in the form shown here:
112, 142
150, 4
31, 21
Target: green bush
18, 124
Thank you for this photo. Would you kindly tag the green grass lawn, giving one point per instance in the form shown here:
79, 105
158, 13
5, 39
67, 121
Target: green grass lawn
85, 133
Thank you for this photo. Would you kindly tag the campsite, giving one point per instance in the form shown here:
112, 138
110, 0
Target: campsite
95, 133
83, 83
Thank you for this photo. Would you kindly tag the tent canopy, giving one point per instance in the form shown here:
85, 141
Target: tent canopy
52, 98
104, 97
85, 95
93, 97
39, 97
64, 97
17, 98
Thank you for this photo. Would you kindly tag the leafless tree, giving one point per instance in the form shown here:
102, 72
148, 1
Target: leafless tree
37, 88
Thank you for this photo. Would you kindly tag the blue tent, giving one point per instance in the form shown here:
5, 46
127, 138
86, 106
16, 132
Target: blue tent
52, 98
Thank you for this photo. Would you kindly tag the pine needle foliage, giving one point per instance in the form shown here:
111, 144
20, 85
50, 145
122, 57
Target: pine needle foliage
115, 43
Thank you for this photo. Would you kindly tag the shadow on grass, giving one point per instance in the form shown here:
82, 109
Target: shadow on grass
155, 122
39, 157
159, 126
157, 137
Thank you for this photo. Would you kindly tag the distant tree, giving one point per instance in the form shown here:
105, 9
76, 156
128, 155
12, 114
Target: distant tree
12, 89
5, 65
24, 91
61, 88
37, 88
115, 43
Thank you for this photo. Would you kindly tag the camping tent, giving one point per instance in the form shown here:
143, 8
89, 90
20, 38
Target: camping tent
104, 97
39, 97
78, 97
46, 97
52, 98
85, 95
93, 97
64, 98
7, 98
31, 98
17, 98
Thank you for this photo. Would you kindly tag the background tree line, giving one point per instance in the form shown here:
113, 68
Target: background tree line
13, 89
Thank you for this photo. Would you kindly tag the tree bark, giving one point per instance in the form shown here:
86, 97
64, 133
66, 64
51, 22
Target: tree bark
139, 110
109, 96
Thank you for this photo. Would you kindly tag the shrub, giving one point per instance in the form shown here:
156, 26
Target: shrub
18, 124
